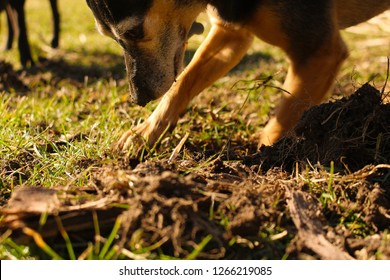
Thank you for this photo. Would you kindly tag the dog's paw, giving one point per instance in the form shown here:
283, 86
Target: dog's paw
145, 135
271, 133
134, 140
130, 142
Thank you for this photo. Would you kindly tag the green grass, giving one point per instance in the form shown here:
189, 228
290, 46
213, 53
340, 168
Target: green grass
64, 126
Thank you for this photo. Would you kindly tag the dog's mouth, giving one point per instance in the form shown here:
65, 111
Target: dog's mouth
178, 63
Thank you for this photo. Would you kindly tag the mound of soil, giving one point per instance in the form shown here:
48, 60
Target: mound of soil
352, 132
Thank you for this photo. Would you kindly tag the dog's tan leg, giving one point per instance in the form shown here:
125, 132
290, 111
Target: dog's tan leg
306, 84
313, 43
223, 48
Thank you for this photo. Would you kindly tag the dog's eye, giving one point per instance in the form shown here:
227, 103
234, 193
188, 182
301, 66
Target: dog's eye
135, 34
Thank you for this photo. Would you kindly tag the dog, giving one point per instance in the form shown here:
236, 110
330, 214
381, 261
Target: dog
153, 36
17, 26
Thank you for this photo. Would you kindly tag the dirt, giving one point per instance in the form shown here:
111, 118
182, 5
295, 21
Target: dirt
352, 132
286, 201
247, 215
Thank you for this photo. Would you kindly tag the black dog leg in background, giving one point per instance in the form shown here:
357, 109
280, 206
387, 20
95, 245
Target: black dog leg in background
17, 28
56, 23
17, 7
12, 27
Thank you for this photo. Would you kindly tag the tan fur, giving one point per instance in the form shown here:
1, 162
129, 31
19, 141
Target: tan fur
308, 80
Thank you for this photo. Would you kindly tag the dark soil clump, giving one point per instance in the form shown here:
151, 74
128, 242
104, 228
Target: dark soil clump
351, 132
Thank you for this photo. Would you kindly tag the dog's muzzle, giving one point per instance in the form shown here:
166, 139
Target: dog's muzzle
139, 93
148, 77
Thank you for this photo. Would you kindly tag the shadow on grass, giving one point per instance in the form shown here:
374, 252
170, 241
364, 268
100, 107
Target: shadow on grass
97, 65
76, 68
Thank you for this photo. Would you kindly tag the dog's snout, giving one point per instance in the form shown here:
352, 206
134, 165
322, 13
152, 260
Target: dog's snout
150, 75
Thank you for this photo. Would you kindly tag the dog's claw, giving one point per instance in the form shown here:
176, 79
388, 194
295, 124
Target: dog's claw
136, 139
131, 143
124, 141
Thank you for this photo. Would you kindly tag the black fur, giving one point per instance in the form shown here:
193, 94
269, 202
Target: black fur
235, 10
306, 22
117, 10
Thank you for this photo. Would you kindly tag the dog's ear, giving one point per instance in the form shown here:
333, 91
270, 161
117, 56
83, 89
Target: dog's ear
196, 28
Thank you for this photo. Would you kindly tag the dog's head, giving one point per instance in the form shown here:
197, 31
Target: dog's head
153, 34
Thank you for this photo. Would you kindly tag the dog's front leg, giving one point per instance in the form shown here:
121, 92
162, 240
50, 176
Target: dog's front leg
223, 48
